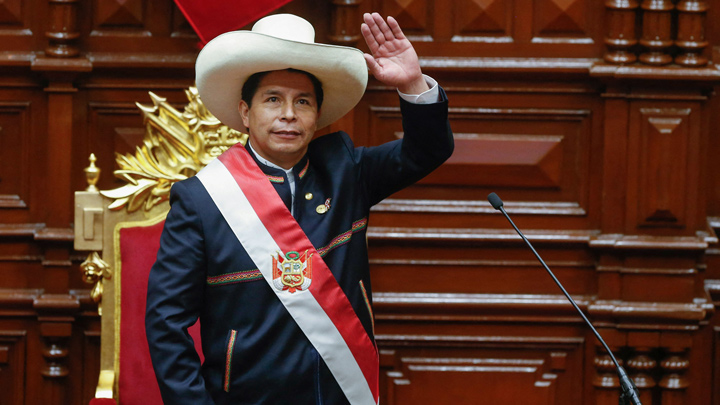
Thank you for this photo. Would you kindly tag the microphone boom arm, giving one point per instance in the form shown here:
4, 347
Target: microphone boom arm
629, 390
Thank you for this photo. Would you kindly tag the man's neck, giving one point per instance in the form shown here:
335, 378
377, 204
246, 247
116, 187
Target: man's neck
267, 162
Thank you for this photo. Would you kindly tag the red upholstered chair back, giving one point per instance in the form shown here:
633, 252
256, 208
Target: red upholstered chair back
138, 249
124, 347
122, 229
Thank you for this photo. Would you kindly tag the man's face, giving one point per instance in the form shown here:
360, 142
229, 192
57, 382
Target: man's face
283, 117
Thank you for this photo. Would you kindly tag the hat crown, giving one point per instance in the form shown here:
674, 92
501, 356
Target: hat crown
286, 26
277, 42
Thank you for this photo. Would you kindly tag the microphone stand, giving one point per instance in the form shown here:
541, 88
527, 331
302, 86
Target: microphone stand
630, 393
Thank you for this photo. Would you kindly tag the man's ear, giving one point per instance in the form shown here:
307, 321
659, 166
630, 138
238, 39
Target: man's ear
244, 110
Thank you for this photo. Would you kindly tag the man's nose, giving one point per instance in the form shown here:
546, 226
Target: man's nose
288, 111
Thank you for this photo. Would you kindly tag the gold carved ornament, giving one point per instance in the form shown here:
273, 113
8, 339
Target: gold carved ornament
176, 146
94, 271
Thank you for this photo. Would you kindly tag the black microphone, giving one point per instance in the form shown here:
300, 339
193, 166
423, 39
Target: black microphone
629, 390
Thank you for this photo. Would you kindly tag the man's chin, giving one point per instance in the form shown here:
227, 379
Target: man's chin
289, 144
289, 151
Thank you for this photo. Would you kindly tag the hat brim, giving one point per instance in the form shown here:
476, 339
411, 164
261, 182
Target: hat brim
226, 62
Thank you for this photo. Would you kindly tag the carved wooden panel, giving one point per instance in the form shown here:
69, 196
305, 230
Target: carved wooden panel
91, 360
12, 14
662, 175
480, 369
566, 19
537, 152
15, 154
12, 367
499, 27
433, 266
115, 125
112, 28
181, 28
17, 28
414, 16
116, 128
482, 21
128, 15
512, 381
516, 147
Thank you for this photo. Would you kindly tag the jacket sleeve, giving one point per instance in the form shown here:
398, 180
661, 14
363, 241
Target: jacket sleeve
427, 142
175, 294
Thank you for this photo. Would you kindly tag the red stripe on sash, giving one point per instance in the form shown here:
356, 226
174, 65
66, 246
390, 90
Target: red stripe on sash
287, 233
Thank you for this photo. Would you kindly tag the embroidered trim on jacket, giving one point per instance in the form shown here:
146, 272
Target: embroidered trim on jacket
252, 275
276, 179
369, 307
237, 277
304, 170
228, 359
343, 238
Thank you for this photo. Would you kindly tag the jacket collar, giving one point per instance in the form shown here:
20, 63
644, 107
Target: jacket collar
275, 173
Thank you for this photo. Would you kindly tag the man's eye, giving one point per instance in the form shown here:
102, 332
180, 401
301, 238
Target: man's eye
272, 99
303, 101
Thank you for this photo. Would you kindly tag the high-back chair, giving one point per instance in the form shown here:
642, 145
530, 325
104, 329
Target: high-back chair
121, 228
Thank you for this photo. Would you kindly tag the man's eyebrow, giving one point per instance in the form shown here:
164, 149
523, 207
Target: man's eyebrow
275, 92
271, 92
306, 94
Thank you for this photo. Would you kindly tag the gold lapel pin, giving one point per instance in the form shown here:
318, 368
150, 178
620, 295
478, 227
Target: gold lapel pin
323, 208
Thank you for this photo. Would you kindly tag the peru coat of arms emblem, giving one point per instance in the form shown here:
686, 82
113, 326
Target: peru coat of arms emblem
293, 272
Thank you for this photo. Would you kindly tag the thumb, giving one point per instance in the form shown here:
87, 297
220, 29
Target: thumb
372, 64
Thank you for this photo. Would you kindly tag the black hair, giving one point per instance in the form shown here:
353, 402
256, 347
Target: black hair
251, 84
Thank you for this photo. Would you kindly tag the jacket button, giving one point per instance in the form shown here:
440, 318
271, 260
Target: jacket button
308, 196
321, 209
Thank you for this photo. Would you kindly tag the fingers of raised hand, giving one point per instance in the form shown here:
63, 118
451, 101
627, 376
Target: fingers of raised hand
369, 38
383, 27
395, 27
375, 31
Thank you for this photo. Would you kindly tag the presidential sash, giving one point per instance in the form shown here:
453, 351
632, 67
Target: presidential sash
294, 271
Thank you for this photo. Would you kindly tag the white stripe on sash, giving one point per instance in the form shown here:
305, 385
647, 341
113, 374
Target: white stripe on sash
302, 306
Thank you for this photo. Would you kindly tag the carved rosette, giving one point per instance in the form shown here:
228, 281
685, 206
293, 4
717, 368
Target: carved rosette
176, 146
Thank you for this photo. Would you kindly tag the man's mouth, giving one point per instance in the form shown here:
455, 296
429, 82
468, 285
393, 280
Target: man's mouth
287, 133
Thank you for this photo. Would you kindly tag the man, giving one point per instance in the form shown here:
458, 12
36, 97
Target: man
266, 245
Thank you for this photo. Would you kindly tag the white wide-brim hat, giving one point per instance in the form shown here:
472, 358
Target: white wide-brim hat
278, 42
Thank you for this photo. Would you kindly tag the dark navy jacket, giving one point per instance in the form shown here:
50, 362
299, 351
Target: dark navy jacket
202, 271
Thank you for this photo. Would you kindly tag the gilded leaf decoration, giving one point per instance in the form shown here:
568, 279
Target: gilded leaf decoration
176, 146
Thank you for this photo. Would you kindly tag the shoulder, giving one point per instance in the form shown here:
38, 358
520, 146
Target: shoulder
336, 145
335, 140
185, 188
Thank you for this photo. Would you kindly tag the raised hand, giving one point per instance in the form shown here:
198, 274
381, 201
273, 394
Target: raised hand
393, 60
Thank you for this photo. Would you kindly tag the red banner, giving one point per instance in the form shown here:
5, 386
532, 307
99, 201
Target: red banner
211, 18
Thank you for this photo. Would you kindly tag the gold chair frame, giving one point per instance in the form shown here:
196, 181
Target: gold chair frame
176, 145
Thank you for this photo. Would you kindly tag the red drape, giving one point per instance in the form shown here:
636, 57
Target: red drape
211, 18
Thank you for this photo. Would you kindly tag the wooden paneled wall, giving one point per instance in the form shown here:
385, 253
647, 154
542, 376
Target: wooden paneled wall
595, 121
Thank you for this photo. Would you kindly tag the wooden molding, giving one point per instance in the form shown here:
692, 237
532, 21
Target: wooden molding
473, 235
